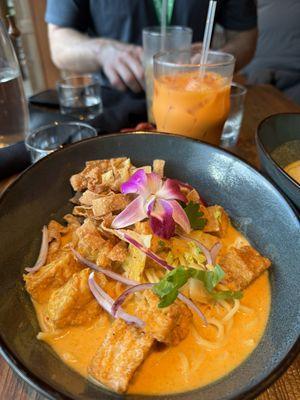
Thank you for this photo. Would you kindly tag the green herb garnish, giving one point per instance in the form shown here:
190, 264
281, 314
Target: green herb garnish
168, 288
161, 243
227, 295
195, 216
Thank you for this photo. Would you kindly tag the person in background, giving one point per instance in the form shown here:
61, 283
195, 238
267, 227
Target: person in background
277, 57
106, 35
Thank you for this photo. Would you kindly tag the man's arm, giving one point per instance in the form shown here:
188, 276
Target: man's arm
242, 45
74, 51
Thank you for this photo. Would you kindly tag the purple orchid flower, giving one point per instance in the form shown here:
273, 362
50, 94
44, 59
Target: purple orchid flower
158, 200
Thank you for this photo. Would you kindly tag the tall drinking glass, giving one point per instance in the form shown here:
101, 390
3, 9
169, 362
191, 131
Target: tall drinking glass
177, 37
187, 101
13, 106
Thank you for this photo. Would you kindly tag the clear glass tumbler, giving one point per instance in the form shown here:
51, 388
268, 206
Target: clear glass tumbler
189, 101
233, 124
177, 37
49, 138
80, 96
14, 116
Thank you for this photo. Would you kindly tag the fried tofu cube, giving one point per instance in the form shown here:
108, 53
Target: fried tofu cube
242, 266
74, 304
217, 220
169, 325
51, 276
123, 350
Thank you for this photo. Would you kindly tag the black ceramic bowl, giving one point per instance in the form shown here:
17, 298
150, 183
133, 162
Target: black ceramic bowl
255, 206
278, 144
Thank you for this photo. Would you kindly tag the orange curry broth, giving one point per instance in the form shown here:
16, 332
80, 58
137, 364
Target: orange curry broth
183, 367
189, 105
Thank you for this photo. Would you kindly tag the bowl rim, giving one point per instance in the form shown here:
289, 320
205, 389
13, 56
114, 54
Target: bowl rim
51, 393
259, 142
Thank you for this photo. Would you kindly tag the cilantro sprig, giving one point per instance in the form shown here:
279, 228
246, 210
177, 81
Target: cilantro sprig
195, 216
168, 288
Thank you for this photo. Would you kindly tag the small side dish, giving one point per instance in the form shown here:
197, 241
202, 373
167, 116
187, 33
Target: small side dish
146, 289
293, 169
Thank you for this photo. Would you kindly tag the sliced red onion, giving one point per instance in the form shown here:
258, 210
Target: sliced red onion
145, 286
95, 267
43, 252
128, 238
106, 302
203, 248
214, 251
193, 306
137, 288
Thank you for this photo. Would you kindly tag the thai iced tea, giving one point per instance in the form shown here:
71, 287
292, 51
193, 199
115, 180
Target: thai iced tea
193, 105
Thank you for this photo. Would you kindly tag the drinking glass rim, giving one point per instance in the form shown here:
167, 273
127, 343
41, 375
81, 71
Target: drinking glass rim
52, 125
62, 82
231, 59
155, 30
243, 89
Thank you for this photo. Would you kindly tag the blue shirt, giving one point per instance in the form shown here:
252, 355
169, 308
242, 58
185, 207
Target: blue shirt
124, 19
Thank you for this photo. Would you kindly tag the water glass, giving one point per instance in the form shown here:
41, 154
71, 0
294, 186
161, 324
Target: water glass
176, 37
233, 124
49, 138
14, 116
80, 96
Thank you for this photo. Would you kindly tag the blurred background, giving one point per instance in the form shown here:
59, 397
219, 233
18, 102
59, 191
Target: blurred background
28, 30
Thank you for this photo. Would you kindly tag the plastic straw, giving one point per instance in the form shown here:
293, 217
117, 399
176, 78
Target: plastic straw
163, 25
207, 34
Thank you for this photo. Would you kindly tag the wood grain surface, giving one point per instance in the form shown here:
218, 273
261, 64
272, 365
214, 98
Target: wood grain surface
261, 101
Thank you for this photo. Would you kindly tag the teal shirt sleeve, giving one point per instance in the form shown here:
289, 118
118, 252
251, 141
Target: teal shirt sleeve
68, 13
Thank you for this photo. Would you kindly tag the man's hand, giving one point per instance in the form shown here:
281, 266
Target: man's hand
122, 64
73, 51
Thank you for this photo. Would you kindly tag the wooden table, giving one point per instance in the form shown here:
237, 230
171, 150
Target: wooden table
261, 102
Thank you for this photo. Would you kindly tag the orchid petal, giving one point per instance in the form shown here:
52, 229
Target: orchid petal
161, 220
154, 182
133, 213
171, 191
179, 216
137, 183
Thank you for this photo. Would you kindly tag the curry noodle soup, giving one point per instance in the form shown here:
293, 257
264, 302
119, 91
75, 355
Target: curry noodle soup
146, 289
